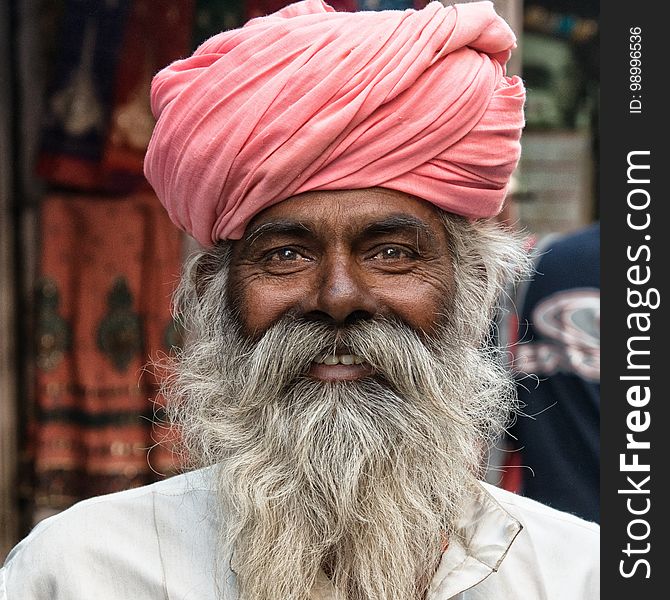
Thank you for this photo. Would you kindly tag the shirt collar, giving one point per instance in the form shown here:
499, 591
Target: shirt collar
483, 537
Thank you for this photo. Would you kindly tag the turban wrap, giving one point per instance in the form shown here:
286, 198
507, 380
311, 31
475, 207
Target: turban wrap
308, 98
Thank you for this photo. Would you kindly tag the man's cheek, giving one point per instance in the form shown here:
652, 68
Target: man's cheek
260, 309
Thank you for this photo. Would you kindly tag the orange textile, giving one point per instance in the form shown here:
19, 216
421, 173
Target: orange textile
107, 271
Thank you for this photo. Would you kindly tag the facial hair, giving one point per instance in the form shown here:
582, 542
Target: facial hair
362, 480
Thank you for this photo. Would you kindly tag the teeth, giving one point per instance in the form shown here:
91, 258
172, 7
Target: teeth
337, 359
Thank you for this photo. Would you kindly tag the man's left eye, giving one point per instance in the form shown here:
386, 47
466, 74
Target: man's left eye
392, 252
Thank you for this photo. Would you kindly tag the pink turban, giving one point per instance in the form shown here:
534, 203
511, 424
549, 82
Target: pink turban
312, 99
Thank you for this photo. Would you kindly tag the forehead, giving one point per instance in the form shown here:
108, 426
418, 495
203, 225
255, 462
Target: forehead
343, 212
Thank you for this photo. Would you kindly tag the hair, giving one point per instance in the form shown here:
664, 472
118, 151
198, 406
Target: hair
360, 480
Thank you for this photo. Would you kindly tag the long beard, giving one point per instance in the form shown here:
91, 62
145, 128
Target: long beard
361, 480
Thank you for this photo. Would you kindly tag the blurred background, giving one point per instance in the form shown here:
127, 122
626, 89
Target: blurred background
88, 259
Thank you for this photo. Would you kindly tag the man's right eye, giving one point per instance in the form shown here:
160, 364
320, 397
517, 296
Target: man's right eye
284, 255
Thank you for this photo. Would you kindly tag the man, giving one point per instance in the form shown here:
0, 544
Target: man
337, 387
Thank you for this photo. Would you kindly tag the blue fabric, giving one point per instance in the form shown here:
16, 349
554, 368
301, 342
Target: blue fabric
559, 334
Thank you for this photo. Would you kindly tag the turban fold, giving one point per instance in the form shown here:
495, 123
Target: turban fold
312, 99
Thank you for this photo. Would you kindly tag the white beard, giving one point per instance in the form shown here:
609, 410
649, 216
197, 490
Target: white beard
362, 480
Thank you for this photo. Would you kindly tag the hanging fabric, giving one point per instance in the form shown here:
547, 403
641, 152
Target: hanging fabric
106, 275
78, 103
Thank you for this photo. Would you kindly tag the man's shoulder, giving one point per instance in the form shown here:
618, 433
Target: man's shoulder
553, 555
126, 508
541, 519
90, 542
554, 542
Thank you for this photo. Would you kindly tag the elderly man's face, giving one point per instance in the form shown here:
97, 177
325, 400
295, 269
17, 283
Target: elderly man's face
341, 256
347, 442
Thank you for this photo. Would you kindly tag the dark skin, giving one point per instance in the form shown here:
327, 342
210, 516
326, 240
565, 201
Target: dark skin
341, 256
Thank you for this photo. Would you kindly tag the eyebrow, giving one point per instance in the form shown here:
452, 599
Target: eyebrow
398, 223
285, 227
390, 224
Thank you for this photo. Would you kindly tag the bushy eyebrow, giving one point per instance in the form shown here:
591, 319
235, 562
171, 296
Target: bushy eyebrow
285, 227
390, 224
400, 223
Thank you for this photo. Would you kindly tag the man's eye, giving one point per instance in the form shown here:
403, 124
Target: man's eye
392, 252
285, 254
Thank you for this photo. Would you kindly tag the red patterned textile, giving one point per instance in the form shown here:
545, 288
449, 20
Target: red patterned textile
107, 271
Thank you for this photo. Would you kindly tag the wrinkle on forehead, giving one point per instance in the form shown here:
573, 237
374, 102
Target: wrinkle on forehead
348, 212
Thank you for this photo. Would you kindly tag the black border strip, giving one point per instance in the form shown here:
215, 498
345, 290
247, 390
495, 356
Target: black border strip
634, 251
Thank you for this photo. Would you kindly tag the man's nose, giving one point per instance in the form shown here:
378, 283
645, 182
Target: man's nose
343, 295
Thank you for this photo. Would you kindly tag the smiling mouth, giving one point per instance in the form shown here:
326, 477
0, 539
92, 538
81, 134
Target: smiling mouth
340, 367
339, 359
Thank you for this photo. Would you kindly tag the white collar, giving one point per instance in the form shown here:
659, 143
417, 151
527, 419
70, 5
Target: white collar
486, 532
484, 535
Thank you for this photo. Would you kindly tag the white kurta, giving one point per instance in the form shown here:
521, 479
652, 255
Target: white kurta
158, 542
